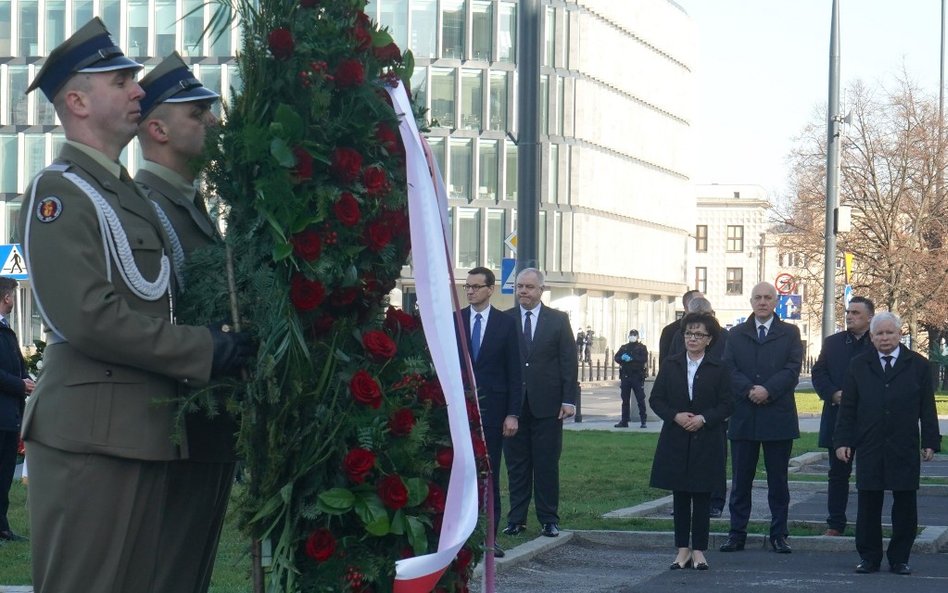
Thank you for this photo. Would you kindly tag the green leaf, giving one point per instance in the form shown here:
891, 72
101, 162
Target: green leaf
282, 251
282, 153
339, 500
417, 536
417, 491
399, 523
372, 513
408, 65
290, 120
381, 38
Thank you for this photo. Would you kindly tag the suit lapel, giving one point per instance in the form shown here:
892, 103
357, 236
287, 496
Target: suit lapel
488, 339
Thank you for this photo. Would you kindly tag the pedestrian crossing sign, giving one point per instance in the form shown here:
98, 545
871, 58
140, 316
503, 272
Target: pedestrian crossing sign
14, 266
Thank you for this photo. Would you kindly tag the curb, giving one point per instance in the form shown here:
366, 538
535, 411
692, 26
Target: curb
522, 553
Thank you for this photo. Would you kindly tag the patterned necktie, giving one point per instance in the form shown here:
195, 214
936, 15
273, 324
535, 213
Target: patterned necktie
761, 332
476, 337
888, 364
528, 330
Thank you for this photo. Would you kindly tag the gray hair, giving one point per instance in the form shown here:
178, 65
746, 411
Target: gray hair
534, 271
700, 305
882, 318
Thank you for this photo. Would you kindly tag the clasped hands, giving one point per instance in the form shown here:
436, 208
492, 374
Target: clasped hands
758, 394
688, 421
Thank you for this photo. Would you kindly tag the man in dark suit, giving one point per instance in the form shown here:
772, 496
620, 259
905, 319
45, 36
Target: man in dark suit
829, 375
764, 355
492, 340
549, 383
888, 394
668, 332
15, 385
176, 117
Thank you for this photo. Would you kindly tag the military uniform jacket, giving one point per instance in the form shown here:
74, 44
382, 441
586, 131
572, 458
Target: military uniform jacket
888, 419
115, 360
209, 439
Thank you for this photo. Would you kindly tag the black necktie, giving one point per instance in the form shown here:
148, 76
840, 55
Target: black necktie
761, 332
476, 337
528, 330
3, 322
888, 364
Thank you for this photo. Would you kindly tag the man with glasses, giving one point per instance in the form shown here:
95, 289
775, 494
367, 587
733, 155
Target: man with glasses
764, 355
492, 343
632, 358
829, 376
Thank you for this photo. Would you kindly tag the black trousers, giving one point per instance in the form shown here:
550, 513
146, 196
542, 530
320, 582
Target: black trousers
692, 518
9, 440
837, 492
869, 525
626, 387
744, 456
494, 437
533, 467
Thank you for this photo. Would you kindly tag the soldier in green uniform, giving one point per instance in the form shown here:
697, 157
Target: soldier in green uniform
176, 116
100, 423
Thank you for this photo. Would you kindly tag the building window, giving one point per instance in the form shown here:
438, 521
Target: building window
735, 281
735, 238
394, 15
472, 99
18, 99
469, 237
6, 23
452, 29
507, 35
482, 39
462, 156
419, 86
701, 279
437, 149
495, 238
137, 39
541, 240
55, 23
701, 238
442, 97
9, 157
544, 104
498, 101
487, 181
510, 193
553, 175
424, 18
111, 13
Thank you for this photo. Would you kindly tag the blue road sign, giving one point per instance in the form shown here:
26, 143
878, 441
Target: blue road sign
14, 266
789, 305
508, 275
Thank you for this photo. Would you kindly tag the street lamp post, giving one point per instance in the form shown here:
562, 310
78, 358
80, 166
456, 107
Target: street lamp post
833, 138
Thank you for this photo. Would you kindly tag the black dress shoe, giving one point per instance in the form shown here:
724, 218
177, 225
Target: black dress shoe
643, 425
514, 528
901, 568
716, 513
498, 551
732, 545
780, 545
550, 530
12, 537
622, 425
676, 566
702, 566
865, 567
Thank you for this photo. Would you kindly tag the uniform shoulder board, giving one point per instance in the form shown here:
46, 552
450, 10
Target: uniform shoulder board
57, 168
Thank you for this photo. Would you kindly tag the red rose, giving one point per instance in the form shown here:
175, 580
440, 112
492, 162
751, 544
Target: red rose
346, 209
377, 235
303, 170
357, 463
445, 457
396, 319
397, 220
281, 43
343, 297
463, 560
320, 545
323, 325
387, 53
430, 391
436, 523
307, 245
365, 389
480, 447
349, 73
436, 498
392, 491
401, 422
306, 294
375, 181
362, 37
346, 164
388, 138
379, 345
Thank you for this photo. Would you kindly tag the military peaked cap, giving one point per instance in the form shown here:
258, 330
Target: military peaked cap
172, 82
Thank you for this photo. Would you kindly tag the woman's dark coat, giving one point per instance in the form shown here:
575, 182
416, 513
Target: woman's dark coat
691, 461
879, 417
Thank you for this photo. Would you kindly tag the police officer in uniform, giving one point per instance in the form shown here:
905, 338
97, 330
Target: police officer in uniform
175, 117
100, 423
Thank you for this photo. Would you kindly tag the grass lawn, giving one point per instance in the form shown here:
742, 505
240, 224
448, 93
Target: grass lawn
810, 403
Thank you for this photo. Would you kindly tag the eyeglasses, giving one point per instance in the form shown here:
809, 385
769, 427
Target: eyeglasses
474, 287
696, 336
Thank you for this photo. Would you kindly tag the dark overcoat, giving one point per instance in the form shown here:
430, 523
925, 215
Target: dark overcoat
691, 461
879, 417
829, 375
774, 364
12, 388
